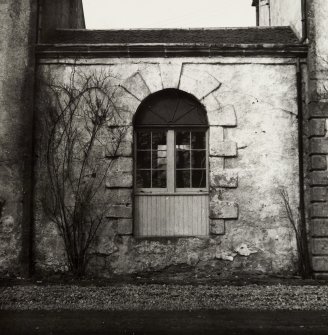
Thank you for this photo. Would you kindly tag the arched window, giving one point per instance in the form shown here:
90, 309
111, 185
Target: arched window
171, 160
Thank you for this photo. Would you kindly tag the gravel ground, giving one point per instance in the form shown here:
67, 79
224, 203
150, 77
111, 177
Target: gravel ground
164, 297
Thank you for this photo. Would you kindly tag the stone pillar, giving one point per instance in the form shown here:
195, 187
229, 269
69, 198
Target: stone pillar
18, 35
264, 13
318, 118
60, 14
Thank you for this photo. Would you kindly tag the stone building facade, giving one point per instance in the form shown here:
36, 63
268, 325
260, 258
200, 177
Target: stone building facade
263, 97
309, 19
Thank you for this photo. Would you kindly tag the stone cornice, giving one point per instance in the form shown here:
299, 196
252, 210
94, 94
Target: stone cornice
170, 50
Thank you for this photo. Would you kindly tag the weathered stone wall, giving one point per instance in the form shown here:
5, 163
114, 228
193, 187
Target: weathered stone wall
252, 111
281, 13
18, 24
318, 116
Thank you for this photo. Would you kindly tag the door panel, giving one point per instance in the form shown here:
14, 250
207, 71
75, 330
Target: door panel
172, 215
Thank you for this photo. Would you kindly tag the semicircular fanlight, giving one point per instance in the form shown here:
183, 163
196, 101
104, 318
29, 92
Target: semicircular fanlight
170, 108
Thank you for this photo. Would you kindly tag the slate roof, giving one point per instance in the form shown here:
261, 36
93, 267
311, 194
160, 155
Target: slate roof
213, 36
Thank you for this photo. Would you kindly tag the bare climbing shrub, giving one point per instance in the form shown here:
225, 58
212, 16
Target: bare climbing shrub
82, 141
299, 228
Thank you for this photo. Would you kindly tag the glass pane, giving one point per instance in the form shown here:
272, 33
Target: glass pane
159, 179
159, 160
183, 159
183, 178
143, 159
198, 140
143, 179
199, 178
198, 159
183, 139
143, 140
159, 140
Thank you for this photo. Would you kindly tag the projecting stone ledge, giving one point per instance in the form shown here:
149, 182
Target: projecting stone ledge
119, 211
224, 149
223, 210
224, 178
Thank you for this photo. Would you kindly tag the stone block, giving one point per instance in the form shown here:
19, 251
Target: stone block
320, 246
108, 228
225, 117
320, 263
321, 276
125, 109
122, 164
317, 127
216, 164
125, 227
117, 141
319, 227
319, 178
125, 149
217, 227
319, 210
318, 109
119, 179
120, 173
170, 74
119, 211
126, 105
319, 194
224, 178
319, 145
151, 74
318, 162
223, 209
211, 104
121, 196
137, 86
216, 136
224, 149
197, 82
105, 245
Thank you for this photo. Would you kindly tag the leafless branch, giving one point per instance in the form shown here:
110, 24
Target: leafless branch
78, 160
